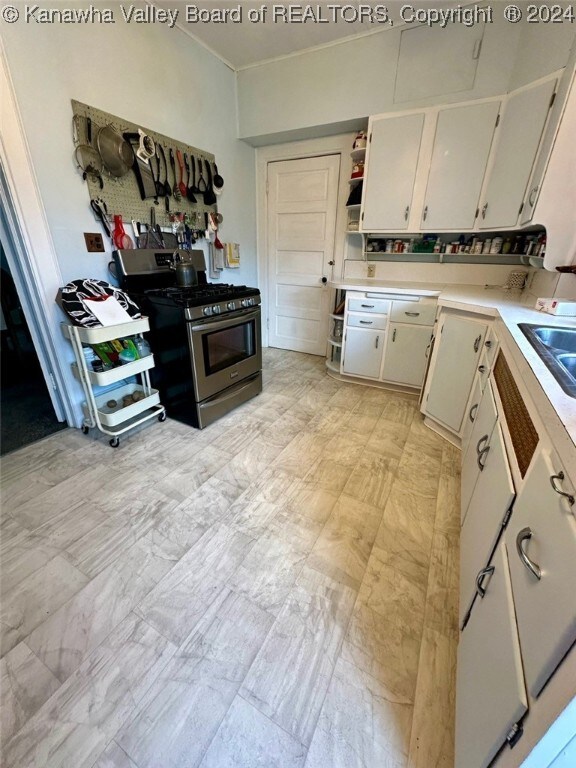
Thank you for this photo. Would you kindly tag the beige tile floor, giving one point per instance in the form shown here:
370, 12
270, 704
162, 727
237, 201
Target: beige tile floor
277, 590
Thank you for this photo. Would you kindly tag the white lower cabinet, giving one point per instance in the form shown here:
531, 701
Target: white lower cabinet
405, 358
455, 360
487, 514
541, 542
474, 458
490, 692
363, 351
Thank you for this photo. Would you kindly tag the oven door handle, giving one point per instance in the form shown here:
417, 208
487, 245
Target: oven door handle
214, 325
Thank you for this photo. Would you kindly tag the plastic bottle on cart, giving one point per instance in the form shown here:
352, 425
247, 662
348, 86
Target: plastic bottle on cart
142, 346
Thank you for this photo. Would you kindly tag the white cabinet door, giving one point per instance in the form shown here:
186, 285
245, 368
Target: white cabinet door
458, 347
490, 502
519, 136
405, 358
461, 148
474, 457
363, 352
390, 172
543, 525
490, 692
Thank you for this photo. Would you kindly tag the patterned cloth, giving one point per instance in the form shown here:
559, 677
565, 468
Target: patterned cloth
72, 300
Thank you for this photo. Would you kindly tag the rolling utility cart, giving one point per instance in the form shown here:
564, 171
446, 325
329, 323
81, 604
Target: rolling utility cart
106, 411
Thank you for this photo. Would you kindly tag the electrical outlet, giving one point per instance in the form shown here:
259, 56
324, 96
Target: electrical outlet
94, 242
371, 270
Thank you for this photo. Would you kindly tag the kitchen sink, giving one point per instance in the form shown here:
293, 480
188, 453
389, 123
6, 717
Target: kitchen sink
557, 338
556, 347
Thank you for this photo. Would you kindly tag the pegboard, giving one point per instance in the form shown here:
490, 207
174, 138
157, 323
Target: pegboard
121, 194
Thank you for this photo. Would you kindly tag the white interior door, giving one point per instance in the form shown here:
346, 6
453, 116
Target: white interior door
302, 198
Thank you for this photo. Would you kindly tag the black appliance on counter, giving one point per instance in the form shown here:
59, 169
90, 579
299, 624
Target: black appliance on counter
206, 338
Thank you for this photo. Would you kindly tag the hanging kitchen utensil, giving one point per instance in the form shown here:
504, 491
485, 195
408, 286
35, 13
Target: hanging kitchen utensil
202, 186
181, 185
99, 208
209, 196
89, 162
142, 169
121, 240
155, 179
115, 151
217, 181
189, 191
146, 146
175, 189
167, 188
159, 184
87, 158
195, 189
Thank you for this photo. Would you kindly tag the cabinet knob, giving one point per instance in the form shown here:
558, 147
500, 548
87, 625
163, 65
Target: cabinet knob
324, 280
482, 368
331, 263
525, 535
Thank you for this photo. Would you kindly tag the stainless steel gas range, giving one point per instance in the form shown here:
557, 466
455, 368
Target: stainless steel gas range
206, 338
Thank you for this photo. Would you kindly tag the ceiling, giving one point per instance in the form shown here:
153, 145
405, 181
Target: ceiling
253, 40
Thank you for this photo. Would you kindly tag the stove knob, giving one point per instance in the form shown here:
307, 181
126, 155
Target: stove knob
216, 309
207, 311
231, 305
245, 302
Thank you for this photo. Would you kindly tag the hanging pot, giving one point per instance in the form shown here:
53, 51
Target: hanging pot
116, 153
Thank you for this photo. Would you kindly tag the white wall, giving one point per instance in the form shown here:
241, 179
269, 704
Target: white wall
355, 79
149, 74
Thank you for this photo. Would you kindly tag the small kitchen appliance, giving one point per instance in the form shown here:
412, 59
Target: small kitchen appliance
206, 338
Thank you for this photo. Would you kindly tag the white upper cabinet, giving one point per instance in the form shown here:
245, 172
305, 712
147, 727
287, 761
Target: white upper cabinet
391, 165
518, 138
459, 157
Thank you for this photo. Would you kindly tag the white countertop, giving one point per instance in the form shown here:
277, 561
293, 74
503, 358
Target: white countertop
508, 308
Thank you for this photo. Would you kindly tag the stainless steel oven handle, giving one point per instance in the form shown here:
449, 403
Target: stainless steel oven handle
230, 319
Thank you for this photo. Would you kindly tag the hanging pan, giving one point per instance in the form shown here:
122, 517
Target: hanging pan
209, 196
217, 181
116, 153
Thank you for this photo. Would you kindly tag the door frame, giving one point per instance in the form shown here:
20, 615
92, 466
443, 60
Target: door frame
29, 247
298, 150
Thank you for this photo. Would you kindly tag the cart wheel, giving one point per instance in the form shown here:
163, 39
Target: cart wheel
162, 416
85, 429
115, 442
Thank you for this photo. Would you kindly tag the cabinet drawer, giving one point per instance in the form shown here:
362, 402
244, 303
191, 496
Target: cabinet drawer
542, 532
379, 306
377, 322
414, 312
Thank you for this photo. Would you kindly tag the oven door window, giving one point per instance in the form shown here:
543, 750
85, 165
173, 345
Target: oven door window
228, 346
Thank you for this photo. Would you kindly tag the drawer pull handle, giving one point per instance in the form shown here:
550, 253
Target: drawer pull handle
406, 212
488, 571
483, 452
377, 341
484, 209
425, 213
367, 306
412, 314
366, 322
560, 476
394, 334
532, 198
472, 413
524, 535
477, 343
479, 445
